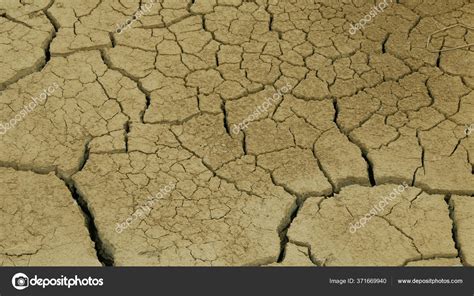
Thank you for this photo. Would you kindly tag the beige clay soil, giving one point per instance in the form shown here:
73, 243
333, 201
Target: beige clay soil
158, 103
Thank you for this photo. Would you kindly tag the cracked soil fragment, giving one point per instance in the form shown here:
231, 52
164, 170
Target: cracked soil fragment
414, 226
463, 216
41, 224
333, 121
205, 220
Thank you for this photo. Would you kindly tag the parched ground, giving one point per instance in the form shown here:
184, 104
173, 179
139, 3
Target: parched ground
130, 110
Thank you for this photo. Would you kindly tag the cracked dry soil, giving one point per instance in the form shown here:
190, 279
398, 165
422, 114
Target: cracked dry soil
156, 103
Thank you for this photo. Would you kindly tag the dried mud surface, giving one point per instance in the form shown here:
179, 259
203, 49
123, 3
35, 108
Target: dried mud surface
130, 111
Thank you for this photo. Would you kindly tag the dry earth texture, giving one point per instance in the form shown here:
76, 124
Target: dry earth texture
236, 133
